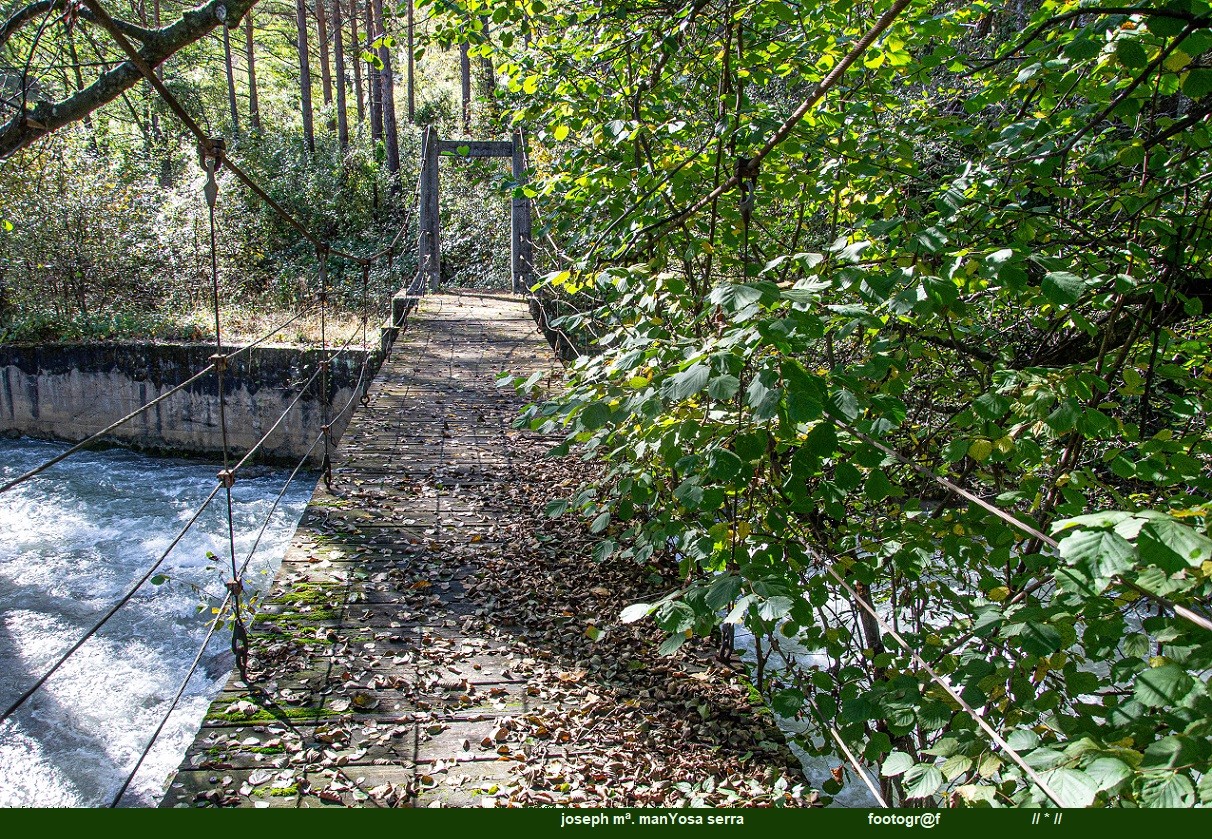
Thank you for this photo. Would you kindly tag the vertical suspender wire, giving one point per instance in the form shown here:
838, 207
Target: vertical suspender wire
239, 635
322, 255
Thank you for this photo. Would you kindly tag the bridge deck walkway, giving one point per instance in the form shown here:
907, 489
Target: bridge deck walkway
423, 645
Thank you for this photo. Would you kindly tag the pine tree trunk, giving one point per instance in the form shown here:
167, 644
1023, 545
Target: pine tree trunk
231, 80
488, 79
412, 90
387, 97
254, 109
356, 46
325, 71
309, 132
372, 78
338, 48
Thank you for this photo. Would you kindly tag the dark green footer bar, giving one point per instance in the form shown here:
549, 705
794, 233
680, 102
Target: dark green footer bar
491, 824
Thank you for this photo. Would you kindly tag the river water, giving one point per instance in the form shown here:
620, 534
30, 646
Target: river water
72, 541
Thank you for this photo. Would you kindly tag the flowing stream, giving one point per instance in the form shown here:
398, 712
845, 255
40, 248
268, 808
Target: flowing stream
72, 542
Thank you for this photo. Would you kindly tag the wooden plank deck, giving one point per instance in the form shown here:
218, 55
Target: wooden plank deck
381, 675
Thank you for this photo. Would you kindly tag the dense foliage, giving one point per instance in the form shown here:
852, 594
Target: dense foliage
980, 259
906, 368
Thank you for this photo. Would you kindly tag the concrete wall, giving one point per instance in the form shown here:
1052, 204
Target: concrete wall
68, 392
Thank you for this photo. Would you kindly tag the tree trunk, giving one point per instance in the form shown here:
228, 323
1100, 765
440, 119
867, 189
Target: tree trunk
309, 133
231, 81
387, 96
356, 45
372, 78
412, 91
338, 48
465, 86
488, 79
325, 71
254, 110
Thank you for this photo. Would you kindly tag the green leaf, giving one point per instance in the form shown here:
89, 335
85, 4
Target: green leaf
1039, 638
878, 487
636, 611
787, 703
979, 450
897, 763
1169, 790
1170, 545
1075, 788
672, 644
158, 580
723, 591
775, 608
1108, 773
1062, 288
687, 383
923, 780
1163, 686
1101, 554
594, 416
1130, 53
723, 465
556, 508
1198, 83
1173, 752
723, 387
560, 133
991, 406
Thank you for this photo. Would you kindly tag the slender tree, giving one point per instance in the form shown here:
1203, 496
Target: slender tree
325, 66
488, 77
412, 88
338, 48
254, 110
356, 45
372, 77
387, 96
231, 79
309, 133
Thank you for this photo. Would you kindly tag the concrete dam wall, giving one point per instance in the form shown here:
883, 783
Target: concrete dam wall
68, 392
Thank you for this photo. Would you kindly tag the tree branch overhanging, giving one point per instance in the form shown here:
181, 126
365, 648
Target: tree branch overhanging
33, 11
26, 127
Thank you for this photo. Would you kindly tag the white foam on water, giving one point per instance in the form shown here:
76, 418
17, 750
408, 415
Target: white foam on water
75, 539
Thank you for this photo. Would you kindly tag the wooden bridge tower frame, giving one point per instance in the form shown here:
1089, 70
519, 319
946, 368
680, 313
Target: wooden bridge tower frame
429, 246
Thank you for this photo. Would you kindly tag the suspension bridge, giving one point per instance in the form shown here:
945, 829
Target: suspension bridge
427, 641
416, 647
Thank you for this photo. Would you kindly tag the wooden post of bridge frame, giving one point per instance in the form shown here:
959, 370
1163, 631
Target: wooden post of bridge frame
521, 246
429, 250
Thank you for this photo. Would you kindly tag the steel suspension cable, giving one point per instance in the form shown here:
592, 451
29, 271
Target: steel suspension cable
172, 706
239, 636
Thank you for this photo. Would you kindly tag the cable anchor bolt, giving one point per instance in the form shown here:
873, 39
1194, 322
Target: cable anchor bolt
236, 587
220, 362
227, 478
